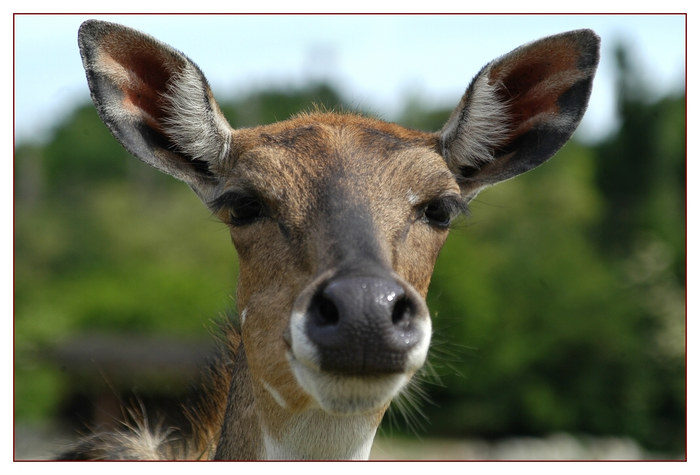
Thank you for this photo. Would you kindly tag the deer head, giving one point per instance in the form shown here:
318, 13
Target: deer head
337, 218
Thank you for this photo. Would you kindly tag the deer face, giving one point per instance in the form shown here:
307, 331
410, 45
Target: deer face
338, 221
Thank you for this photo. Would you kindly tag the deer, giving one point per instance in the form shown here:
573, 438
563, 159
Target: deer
337, 219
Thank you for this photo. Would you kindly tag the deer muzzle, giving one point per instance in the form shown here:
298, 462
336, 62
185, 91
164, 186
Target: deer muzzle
356, 339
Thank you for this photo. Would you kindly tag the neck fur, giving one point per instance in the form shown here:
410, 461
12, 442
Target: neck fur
317, 435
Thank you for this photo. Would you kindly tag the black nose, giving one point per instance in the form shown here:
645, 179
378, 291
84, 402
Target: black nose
364, 325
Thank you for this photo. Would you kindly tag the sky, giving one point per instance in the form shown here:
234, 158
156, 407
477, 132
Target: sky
377, 61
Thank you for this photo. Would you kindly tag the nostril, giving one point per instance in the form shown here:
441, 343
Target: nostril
402, 313
326, 313
355, 299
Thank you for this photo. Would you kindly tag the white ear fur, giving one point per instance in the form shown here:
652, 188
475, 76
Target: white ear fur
198, 131
473, 139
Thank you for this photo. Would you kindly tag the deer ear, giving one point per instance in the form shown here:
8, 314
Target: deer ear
520, 109
155, 101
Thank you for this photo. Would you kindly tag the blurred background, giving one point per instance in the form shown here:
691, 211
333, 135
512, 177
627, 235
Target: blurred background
558, 304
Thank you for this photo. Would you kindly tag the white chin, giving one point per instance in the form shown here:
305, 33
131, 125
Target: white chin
349, 395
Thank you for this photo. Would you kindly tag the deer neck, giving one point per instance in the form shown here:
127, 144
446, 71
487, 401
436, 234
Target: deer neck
312, 434
240, 437
317, 435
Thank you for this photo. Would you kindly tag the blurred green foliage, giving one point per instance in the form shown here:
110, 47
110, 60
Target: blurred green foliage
559, 302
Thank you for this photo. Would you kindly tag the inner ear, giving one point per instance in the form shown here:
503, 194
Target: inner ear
520, 109
544, 92
140, 74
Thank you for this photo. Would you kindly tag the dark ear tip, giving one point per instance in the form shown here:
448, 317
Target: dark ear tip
588, 34
583, 43
91, 23
90, 32
90, 28
87, 37
585, 36
589, 42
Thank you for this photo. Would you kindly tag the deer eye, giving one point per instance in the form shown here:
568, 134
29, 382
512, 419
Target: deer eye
246, 210
241, 208
440, 212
